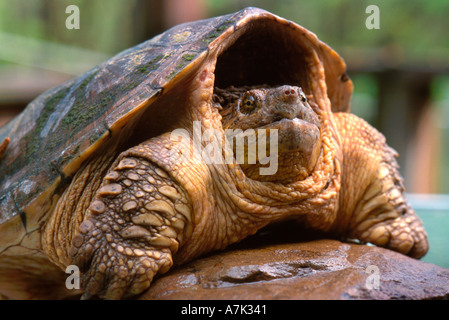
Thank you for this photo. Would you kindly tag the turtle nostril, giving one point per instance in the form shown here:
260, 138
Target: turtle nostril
289, 92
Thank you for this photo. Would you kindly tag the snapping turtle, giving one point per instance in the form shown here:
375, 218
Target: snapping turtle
130, 168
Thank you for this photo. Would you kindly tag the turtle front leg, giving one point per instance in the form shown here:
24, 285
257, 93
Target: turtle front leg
134, 225
373, 207
383, 216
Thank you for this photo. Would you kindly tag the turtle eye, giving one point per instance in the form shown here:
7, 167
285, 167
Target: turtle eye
248, 104
303, 98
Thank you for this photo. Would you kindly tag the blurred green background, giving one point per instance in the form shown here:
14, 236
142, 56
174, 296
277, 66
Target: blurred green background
400, 71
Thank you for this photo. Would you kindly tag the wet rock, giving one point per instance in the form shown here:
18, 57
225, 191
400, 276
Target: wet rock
317, 269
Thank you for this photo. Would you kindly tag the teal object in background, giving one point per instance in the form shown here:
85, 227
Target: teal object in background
434, 213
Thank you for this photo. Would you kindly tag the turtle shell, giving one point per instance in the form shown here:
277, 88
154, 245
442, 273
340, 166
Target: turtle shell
61, 128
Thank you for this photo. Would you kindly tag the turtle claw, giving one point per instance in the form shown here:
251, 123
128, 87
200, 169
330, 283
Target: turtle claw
118, 282
407, 235
3, 146
115, 269
404, 234
120, 247
87, 296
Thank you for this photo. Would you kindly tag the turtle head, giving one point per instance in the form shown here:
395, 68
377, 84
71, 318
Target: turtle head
283, 124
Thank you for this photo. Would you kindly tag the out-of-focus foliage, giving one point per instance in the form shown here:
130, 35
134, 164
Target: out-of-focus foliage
105, 25
34, 33
415, 30
441, 95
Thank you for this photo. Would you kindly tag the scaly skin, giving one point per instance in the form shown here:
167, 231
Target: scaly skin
150, 207
133, 227
372, 204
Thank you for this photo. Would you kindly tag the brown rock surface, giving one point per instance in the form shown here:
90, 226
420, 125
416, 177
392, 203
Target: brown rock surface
316, 269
